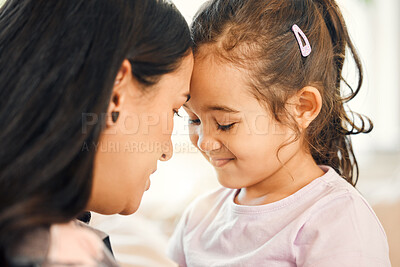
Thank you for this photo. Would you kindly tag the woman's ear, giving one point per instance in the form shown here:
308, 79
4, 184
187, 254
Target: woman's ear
121, 84
307, 104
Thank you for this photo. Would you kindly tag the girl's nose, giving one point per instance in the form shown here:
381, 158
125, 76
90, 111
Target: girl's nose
207, 143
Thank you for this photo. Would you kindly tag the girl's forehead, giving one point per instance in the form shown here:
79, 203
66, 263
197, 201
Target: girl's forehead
217, 85
215, 79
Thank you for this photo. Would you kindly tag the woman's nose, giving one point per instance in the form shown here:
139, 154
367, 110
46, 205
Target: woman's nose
168, 150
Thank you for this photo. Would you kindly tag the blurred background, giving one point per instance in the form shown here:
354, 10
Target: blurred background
140, 239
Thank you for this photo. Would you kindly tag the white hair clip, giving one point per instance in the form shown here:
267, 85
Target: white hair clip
304, 48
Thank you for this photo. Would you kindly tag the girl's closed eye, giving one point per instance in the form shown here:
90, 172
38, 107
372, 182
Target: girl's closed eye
194, 121
225, 127
222, 127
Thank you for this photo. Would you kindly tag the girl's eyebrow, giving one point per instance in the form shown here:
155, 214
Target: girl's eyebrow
221, 108
216, 107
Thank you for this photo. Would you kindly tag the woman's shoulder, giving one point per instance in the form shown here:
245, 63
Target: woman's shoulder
72, 244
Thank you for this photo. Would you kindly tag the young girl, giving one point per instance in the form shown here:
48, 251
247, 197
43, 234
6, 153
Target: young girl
267, 111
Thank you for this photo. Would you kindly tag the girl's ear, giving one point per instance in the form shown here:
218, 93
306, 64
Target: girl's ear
307, 104
121, 87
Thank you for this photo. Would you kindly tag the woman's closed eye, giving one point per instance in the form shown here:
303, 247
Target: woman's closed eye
176, 112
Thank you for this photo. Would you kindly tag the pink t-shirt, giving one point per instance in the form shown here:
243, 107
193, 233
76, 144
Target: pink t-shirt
325, 224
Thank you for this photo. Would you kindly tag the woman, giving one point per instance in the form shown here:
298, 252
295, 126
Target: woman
88, 90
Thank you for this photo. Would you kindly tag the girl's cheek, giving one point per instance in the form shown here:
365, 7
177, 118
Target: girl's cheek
194, 138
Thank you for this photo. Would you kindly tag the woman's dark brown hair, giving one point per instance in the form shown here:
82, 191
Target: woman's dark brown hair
58, 61
256, 35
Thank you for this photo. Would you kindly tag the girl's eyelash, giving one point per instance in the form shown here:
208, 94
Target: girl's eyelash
196, 121
226, 127
220, 127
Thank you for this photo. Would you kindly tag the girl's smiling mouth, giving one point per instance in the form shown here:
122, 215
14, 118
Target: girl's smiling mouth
220, 162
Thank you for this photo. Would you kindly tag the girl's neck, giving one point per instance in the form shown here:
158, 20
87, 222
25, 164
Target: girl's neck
296, 173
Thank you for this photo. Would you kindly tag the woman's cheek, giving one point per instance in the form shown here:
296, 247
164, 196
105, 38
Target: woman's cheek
170, 125
166, 129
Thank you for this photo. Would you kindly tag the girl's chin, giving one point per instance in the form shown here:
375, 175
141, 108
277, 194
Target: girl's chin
226, 181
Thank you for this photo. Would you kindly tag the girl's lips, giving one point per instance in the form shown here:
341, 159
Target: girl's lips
218, 163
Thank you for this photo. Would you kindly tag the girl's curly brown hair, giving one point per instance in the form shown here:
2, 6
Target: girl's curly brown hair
256, 35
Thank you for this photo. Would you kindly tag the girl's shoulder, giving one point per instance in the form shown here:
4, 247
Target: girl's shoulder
331, 193
340, 214
328, 194
333, 189
72, 244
